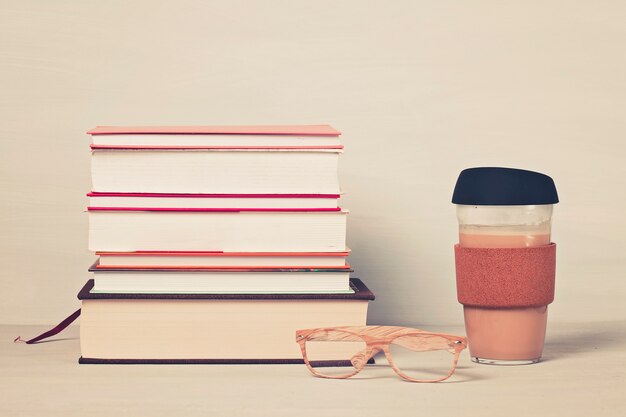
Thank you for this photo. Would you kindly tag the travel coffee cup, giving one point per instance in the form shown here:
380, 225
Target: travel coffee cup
505, 262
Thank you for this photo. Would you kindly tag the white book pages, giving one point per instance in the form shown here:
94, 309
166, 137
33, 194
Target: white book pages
176, 282
209, 329
215, 172
131, 231
211, 202
172, 260
213, 140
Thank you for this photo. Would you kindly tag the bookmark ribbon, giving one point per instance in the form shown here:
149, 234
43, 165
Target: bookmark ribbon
55, 330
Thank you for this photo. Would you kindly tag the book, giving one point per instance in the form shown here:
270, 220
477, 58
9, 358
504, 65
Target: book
202, 171
221, 280
221, 231
216, 136
243, 201
201, 328
175, 260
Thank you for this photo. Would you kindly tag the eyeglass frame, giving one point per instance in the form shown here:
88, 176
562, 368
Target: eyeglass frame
376, 344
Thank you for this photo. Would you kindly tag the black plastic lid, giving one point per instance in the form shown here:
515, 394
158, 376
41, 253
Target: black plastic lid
503, 187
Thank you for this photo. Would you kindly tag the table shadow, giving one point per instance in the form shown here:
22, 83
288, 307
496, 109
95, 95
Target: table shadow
587, 338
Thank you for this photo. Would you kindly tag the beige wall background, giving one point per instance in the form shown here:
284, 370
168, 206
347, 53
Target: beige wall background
420, 89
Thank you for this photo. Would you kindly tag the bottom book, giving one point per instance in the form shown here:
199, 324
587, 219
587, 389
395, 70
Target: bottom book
210, 328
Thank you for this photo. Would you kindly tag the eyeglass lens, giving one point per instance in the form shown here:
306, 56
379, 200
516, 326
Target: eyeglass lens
335, 353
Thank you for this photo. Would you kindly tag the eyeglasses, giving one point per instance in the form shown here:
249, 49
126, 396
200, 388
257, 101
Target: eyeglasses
415, 355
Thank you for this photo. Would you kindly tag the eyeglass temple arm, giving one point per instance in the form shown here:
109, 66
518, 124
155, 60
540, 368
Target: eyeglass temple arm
361, 358
425, 344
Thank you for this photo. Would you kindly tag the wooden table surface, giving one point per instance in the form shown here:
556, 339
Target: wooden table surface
583, 374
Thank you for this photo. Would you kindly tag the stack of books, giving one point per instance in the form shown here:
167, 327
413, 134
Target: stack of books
215, 244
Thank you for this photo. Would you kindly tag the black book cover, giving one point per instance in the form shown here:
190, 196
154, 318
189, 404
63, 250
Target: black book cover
361, 292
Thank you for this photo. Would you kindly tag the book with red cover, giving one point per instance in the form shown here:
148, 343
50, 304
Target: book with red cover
213, 201
176, 260
297, 137
225, 230
98, 194
215, 210
292, 130
209, 328
96, 267
177, 170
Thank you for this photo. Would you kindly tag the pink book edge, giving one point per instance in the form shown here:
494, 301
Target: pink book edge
168, 195
275, 268
294, 130
217, 210
168, 147
342, 253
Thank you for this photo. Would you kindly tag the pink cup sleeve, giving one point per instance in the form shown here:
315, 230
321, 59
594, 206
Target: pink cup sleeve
505, 277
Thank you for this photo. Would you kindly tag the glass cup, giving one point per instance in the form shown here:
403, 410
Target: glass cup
512, 336
505, 208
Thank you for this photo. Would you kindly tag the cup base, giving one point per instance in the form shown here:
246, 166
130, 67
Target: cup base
501, 362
